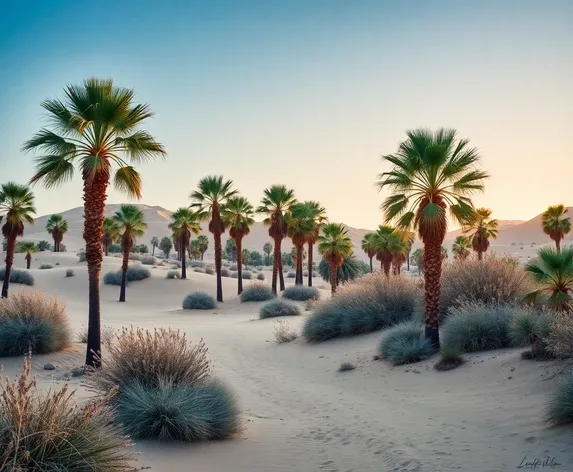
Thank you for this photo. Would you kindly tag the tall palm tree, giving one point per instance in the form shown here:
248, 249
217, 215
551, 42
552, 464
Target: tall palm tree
57, 227
29, 247
334, 245
431, 172
300, 228
130, 221
552, 271
267, 249
481, 229
203, 244
318, 216
367, 245
381, 240
95, 127
16, 208
238, 216
276, 202
461, 248
398, 246
154, 244
211, 196
555, 224
185, 222
110, 234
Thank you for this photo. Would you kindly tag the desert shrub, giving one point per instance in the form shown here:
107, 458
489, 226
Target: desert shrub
450, 358
32, 322
530, 327
247, 275
200, 270
226, 264
283, 333
81, 256
46, 266
492, 280
301, 293
50, 432
225, 272
234, 275
405, 344
310, 304
371, 303
134, 274
278, 308
199, 301
178, 412
175, 264
348, 271
291, 275
305, 273
257, 292
173, 274
209, 270
346, 366
148, 260
107, 334
260, 276
560, 338
70, 273
195, 264
233, 267
560, 404
478, 327
18, 276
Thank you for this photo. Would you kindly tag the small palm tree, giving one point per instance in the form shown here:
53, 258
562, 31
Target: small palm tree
555, 224
195, 249
16, 208
267, 249
461, 248
238, 216
210, 198
318, 217
552, 271
29, 247
381, 241
246, 257
96, 127
203, 244
481, 229
154, 244
276, 202
185, 222
367, 245
418, 259
334, 245
431, 173
110, 234
57, 226
398, 247
300, 228
130, 221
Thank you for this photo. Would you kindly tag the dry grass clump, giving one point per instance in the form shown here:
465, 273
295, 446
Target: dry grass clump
46, 266
492, 280
50, 432
70, 273
199, 270
18, 276
560, 338
209, 270
278, 308
346, 366
283, 333
173, 274
198, 264
32, 322
450, 358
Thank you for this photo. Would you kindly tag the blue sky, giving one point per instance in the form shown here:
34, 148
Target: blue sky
306, 93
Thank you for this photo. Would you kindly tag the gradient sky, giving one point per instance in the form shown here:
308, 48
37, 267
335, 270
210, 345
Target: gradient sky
307, 93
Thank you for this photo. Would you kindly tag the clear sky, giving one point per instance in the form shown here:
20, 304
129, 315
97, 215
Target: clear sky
308, 93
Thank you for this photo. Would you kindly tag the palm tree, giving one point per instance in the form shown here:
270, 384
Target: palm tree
130, 221
246, 257
195, 249
276, 202
398, 246
461, 248
318, 216
555, 224
154, 244
409, 237
93, 128
431, 173
418, 259
203, 244
57, 227
381, 240
29, 247
211, 196
110, 234
300, 228
367, 245
185, 222
267, 249
482, 228
16, 208
334, 245
238, 217
552, 271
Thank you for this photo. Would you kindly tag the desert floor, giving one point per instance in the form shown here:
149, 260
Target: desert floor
299, 413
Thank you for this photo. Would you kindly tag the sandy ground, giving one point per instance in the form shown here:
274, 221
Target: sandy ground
300, 414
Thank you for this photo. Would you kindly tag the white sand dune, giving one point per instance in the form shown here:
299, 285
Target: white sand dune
299, 413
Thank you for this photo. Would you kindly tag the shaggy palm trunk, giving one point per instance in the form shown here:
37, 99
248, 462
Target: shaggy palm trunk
94, 203
408, 260
124, 274
239, 245
281, 274
386, 266
310, 264
153, 251
432, 274
558, 244
183, 261
10, 249
218, 260
28, 260
277, 265
371, 268
480, 255
333, 278
106, 248
298, 277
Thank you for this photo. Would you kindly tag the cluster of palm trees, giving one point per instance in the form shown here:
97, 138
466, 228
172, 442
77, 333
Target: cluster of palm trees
391, 246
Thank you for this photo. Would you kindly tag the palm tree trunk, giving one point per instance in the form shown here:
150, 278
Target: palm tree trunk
371, 268
386, 266
558, 244
408, 260
218, 260
124, 274
28, 261
276, 264
153, 250
239, 245
94, 203
281, 274
310, 264
10, 249
183, 262
432, 274
480, 255
298, 277
333, 282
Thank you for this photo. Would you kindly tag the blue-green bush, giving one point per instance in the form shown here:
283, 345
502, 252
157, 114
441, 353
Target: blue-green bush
200, 270
301, 293
278, 308
18, 276
46, 266
560, 403
209, 270
247, 275
225, 272
291, 275
257, 292
260, 276
134, 274
405, 344
195, 264
199, 301
173, 274
70, 273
